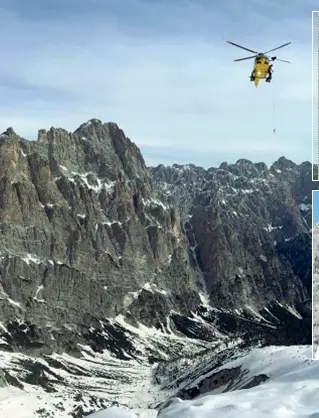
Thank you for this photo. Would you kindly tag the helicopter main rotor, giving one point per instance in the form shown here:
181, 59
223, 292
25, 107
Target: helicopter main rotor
260, 54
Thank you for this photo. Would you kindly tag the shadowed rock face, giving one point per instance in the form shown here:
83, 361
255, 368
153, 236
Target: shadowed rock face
82, 233
250, 227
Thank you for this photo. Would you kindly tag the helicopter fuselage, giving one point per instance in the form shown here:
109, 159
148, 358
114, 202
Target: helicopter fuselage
261, 67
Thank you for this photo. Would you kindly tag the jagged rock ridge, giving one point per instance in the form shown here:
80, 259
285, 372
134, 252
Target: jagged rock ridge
246, 223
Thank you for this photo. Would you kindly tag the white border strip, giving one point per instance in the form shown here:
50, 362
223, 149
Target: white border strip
312, 96
312, 91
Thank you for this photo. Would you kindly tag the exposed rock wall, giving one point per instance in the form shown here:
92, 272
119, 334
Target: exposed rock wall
250, 225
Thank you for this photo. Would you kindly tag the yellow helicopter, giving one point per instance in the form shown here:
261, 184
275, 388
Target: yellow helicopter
262, 67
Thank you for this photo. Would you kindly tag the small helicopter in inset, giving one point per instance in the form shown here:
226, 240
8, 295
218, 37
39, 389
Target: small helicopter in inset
262, 67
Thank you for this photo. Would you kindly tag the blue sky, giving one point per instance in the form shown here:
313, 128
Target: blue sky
162, 71
315, 205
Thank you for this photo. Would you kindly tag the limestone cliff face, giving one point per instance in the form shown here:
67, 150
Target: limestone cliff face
84, 236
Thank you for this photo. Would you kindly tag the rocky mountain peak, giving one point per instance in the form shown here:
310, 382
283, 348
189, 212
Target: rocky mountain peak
9, 152
283, 164
84, 234
8, 133
244, 168
42, 135
245, 162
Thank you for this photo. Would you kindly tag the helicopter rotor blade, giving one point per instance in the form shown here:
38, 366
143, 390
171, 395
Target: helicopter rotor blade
246, 58
278, 47
278, 59
242, 47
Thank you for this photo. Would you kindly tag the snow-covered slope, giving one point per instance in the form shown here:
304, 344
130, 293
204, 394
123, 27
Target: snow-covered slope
289, 388
139, 367
74, 386
292, 390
